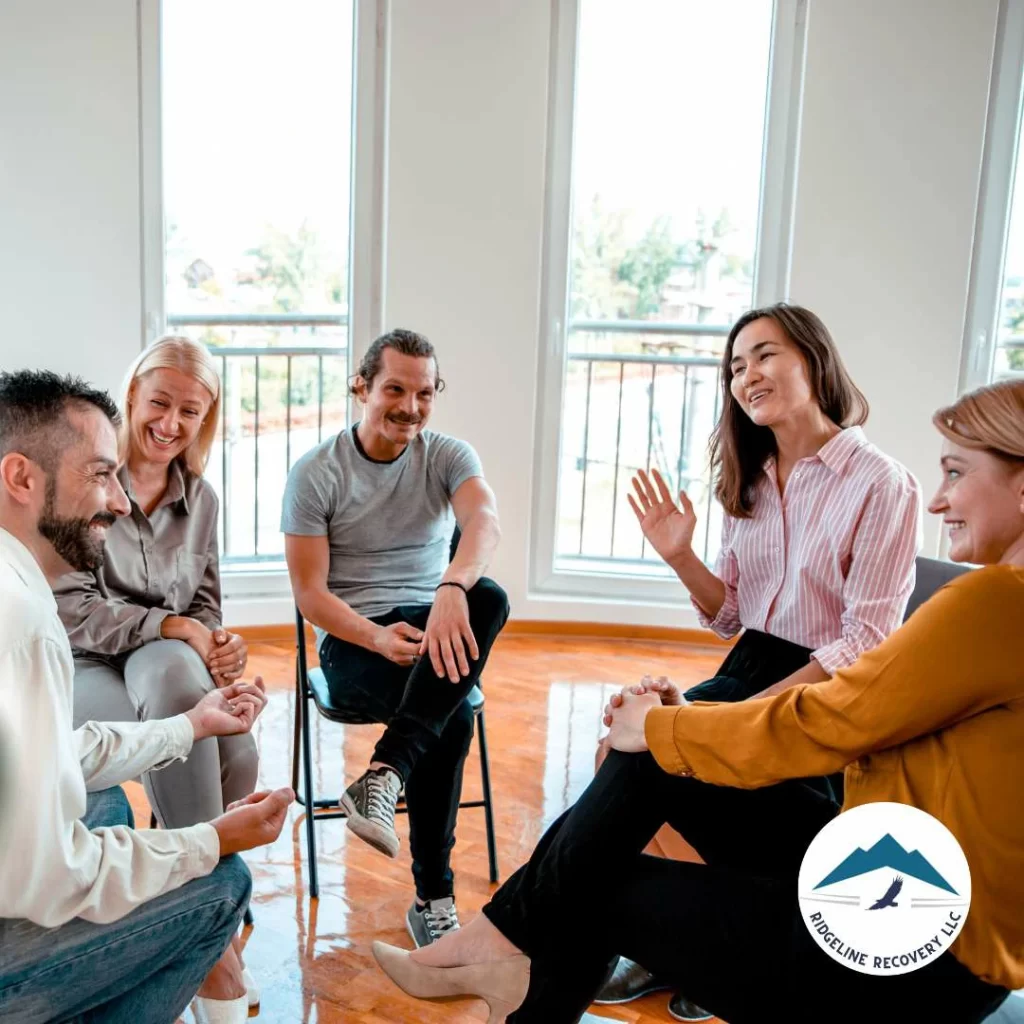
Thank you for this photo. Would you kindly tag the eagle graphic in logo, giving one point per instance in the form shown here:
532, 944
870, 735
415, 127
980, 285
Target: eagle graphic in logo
889, 899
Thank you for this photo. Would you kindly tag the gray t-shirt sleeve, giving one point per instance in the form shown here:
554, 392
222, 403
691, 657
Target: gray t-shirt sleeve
305, 509
457, 463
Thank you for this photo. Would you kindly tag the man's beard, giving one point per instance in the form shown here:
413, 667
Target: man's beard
72, 539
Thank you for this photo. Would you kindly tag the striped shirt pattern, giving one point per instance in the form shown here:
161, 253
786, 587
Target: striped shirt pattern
828, 565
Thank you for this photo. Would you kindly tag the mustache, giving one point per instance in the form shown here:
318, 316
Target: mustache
103, 519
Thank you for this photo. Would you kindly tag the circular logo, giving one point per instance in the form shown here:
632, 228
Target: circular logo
884, 888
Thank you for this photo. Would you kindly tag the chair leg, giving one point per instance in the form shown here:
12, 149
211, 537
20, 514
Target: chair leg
307, 771
297, 737
485, 777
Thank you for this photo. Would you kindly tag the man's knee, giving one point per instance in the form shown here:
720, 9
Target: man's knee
107, 808
167, 677
488, 601
234, 879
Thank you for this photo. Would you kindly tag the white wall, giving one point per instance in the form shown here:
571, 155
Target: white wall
890, 156
70, 295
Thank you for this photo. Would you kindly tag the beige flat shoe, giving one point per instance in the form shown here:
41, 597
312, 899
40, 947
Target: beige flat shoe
502, 984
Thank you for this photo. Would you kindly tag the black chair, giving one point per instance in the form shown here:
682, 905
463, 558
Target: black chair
311, 686
931, 575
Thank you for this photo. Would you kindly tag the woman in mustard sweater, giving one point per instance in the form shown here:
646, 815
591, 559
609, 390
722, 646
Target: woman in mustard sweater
932, 717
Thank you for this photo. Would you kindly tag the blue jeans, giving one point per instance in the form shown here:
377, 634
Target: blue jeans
142, 969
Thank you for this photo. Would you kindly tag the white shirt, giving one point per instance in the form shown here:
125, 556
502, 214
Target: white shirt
52, 868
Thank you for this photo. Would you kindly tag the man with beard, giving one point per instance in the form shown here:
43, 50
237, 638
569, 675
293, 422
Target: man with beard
97, 921
403, 632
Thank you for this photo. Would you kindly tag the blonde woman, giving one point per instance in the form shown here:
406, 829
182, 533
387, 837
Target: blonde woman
146, 627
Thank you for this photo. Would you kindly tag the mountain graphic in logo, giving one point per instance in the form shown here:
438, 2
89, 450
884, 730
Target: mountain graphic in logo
887, 853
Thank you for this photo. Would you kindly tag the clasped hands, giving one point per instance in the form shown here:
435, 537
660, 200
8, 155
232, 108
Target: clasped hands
626, 711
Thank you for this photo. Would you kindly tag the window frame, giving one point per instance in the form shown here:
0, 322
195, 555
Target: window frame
995, 199
772, 266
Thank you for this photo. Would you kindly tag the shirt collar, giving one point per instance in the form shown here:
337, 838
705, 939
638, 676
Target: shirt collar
834, 453
837, 451
23, 562
176, 490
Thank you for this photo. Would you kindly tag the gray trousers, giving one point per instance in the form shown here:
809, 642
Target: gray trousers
159, 680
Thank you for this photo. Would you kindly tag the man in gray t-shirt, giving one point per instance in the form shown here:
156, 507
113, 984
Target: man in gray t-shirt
404, 625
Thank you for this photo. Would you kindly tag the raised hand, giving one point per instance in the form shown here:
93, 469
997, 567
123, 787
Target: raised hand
668, 528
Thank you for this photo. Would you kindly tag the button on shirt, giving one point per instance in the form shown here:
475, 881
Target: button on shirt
162, 564
52, 868
828, 564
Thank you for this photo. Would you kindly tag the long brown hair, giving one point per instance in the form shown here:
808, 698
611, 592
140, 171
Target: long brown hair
989, 419
739, 447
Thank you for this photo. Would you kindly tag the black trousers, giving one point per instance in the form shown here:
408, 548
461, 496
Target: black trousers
727, 932
429, 725
760, 660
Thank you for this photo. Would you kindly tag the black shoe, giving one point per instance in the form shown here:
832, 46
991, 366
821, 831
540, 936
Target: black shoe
628, 981
685, 1009
370, 805
428, 923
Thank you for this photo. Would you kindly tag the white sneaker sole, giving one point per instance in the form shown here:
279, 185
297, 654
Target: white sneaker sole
371, 833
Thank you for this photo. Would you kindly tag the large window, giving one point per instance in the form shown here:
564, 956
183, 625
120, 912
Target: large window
1008, 350
256, 105
664, 243
994, 336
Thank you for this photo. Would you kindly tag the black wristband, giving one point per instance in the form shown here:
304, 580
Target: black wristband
451, 583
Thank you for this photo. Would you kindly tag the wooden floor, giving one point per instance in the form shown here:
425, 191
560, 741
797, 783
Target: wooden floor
544, 702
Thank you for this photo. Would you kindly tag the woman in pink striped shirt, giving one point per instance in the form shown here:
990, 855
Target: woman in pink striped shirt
820, 535
821, 528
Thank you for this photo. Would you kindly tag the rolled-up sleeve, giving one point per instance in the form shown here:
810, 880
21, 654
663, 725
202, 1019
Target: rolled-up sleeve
97, 622
880, 578
727, 622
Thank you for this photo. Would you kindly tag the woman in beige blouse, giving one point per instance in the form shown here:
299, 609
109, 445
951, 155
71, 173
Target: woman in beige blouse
146, 626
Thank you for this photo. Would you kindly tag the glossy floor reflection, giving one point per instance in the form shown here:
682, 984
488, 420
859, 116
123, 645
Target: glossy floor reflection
544, 702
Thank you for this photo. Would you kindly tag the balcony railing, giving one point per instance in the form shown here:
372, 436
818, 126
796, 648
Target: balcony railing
624, 411
1010, 359
284, 382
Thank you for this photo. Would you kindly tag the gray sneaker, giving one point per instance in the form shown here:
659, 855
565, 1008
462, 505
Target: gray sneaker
370, 805
428, 923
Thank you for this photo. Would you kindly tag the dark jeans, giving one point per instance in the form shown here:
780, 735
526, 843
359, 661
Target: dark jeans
141, 969
727, 932
429, 725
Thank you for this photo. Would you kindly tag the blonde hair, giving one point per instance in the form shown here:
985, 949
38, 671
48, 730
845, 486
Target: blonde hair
173, 352
990, 419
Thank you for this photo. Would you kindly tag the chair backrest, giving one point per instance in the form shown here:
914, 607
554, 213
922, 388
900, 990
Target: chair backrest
931, 575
